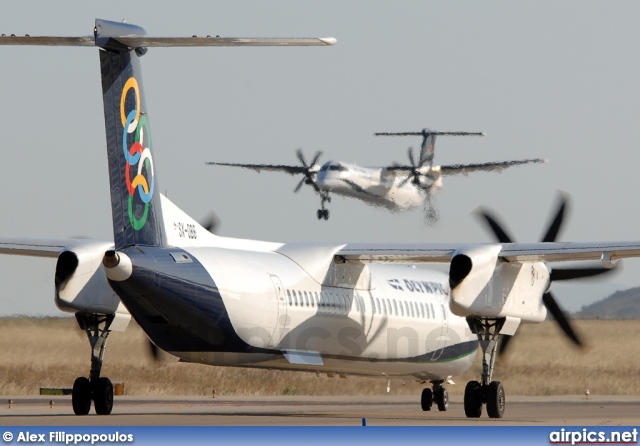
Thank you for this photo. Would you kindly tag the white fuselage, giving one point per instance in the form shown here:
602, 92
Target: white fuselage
380, 320
377, 186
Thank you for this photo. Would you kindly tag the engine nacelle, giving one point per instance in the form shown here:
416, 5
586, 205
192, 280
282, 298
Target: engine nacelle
81, 285
484, 286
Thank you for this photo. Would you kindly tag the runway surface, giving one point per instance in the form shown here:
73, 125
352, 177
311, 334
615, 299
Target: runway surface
318, 411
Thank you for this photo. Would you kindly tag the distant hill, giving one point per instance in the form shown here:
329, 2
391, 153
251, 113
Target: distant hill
623, 304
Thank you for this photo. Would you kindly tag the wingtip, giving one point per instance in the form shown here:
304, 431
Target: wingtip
328, 40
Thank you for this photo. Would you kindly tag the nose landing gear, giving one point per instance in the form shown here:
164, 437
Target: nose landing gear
322, 212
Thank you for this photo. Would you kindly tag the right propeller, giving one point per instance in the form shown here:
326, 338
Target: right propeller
557, 274
416, 173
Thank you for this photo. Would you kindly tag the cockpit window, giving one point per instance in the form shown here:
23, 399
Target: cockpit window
337, 167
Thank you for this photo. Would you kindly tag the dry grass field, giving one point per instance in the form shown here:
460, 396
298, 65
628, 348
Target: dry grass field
52, 352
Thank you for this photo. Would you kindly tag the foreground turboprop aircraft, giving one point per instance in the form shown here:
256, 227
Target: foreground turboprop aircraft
396, 187
334, 308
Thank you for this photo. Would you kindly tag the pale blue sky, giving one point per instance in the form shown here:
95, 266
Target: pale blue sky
557, 80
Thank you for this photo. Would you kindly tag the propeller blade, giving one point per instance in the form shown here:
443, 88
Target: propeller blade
405, 181
560, 317
411, 160
315, 158
503, 346
556, 224
579, 273
299, 185
153, 349
212, 224
301, 158
497, 229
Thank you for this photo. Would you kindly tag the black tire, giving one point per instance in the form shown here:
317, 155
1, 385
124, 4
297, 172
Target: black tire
103, 396
495, 399
473, 399
326, 214
426, 400
81, 396
319, 214
442, 398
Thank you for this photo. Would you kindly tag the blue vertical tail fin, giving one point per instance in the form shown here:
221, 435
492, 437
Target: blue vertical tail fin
135, 200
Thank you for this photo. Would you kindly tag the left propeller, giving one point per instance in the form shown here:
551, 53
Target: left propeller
556, 274
309, 170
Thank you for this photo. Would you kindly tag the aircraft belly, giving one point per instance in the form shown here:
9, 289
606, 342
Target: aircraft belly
392, 198
456, 362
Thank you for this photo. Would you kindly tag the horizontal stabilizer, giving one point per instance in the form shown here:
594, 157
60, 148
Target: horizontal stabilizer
147, 41
430, 133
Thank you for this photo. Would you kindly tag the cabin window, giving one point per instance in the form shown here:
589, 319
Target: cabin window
433, 312
315, 299
395, 307
422, 310
406, 308
306, 299
289, 295
356, 302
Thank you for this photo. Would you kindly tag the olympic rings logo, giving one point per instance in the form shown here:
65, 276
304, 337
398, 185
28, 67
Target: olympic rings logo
139, 153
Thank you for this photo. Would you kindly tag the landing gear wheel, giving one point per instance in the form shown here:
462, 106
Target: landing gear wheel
427, 399
473, 399
81, 396
495, 399
103, 396
323, 214
442, 398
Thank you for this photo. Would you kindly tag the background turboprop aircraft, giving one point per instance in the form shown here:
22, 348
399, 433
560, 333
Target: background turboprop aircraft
396, 187
342, 308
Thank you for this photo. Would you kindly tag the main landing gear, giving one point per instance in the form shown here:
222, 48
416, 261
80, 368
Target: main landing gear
96, 389
486, 392
322, 212
438, 395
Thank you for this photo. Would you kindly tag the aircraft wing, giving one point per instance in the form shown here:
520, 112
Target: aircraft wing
38, 247
510, 252
260, 167
456, 169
